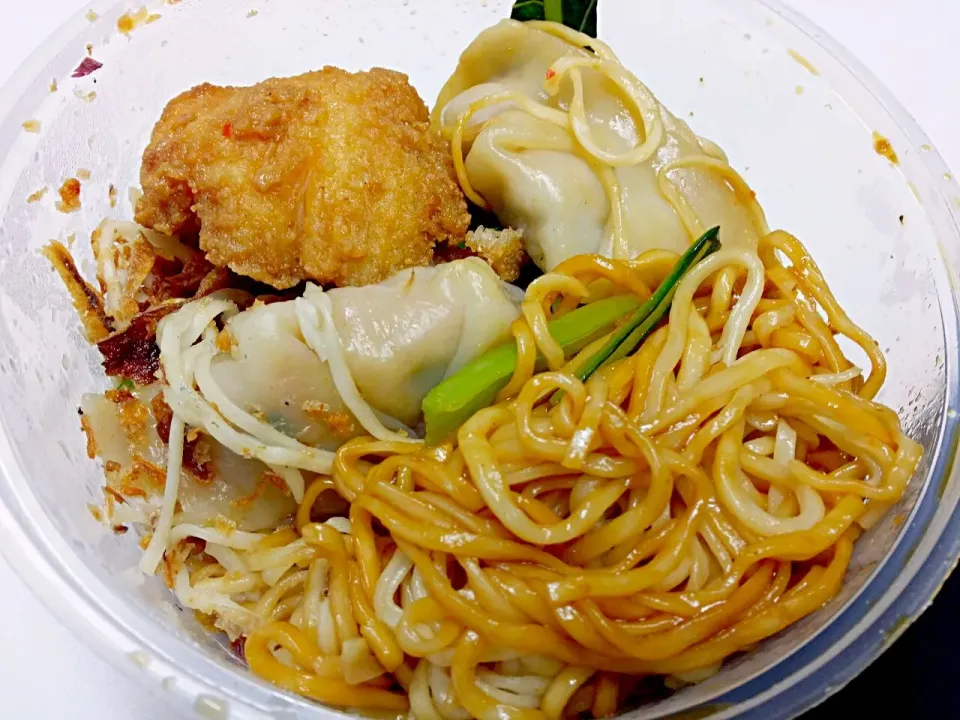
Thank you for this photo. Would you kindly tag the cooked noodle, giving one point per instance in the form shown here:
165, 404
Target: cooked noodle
683, 504
576, 539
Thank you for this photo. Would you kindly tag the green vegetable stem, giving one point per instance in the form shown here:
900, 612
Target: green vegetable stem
475, 386
577, 14
646, 317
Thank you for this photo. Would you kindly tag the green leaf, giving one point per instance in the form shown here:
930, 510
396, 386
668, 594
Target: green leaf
577, 14
126, 384
633, 332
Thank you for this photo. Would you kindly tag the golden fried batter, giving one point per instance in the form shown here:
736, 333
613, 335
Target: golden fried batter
329, 176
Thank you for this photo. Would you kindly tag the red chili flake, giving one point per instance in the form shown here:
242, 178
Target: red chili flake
227, 130
550, 73
87, 66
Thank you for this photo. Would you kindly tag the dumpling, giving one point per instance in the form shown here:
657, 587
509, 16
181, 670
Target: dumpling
567, 145
288, 382
403, 336
124, 431
279, 386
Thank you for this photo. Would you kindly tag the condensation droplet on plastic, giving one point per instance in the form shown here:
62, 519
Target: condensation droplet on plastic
212, 708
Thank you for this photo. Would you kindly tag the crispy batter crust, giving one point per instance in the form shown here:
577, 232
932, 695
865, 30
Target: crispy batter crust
329, 176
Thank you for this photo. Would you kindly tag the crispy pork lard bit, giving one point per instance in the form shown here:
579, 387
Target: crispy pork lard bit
284, 384
565, 144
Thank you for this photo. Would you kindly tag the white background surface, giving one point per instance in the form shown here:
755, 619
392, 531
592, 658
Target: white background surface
45, 673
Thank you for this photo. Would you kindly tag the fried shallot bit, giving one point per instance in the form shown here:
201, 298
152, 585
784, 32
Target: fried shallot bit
133, 352
37, 195
69, 196
87, 301
340, 423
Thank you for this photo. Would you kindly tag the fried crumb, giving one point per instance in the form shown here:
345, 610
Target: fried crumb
96, 512
502, 249
83, 174
224, 525
277, 481
175, 558
340, 423
112, 195
192, 434
89, 47
127, 22
109, 502
226, 342
69, 196
882, 147
71, 239
145, 541
31, 126
53, 86
111, 466
144, 478
132, 412
37, 195
253, 496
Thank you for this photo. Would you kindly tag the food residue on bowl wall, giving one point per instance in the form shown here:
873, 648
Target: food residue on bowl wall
882, 146
128, 22
85, 96
112, 195
916, 193
803, 61
86, 66
31, 126
91, 16
798, 89
252, 13
53, 85
69, 196
83, 174
37, 195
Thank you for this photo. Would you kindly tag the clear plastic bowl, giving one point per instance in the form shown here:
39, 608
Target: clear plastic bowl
794, 112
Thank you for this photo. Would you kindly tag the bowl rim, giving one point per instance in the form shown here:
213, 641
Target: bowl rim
37, 557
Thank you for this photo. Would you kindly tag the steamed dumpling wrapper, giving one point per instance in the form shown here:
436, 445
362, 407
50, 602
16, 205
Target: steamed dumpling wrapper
400, 338
284, 384
288, 382
567, 145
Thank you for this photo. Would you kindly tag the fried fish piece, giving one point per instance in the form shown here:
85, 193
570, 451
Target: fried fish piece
328, 176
